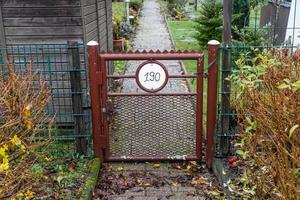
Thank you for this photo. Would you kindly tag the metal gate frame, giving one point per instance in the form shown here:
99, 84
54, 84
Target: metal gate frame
101, 106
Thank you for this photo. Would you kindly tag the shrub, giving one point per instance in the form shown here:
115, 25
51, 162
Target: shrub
241, 12
136, 5
251, 36
268, 103
209, 23
22, 117
177, 8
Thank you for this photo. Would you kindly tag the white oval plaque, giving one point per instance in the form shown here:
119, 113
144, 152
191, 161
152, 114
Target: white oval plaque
152, 76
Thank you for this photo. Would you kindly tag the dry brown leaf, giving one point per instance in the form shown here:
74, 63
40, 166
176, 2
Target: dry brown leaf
139, 181
174, 184
199, 181
147, 184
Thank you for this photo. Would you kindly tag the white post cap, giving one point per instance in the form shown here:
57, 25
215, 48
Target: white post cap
213, 42
92, 43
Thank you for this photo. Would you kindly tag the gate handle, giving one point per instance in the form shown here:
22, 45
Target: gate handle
108, 110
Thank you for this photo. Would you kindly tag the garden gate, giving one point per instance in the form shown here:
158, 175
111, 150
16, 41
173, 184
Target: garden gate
155, 123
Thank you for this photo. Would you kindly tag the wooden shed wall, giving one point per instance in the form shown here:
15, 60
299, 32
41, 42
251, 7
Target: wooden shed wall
97, 16
41, 21
55, 22
268, 12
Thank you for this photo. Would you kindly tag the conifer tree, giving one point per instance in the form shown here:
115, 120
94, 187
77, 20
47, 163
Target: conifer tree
209, 23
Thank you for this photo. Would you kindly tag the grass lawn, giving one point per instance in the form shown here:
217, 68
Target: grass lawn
182, 33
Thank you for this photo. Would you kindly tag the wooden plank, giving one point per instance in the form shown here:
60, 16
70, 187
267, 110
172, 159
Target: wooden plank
41, 12
91, 26
109, 29
50, 31
14, 40
42, 21
40, 3
89, 2
93, 35
101, 4
89, 9
91, 17
2, 34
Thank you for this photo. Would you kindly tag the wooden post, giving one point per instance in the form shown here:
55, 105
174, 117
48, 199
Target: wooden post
226, 70
2, 35
77, 99
3, 54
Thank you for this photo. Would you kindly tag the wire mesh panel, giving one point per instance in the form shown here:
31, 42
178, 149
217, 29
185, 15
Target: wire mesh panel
163, 126
52, 64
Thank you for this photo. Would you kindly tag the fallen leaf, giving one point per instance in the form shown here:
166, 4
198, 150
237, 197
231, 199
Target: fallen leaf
174, 184
139, 181
232, 160
120, 168
156, 165
147, 184
199, 181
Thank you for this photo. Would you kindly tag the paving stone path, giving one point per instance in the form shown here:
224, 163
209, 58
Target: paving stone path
152, 34
149, 181
173, 131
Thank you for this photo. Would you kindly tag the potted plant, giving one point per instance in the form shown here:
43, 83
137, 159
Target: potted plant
118, 40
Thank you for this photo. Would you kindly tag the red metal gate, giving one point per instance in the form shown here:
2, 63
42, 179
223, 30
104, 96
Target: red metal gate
151, 125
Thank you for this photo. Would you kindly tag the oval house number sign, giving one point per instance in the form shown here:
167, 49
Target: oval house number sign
152, 76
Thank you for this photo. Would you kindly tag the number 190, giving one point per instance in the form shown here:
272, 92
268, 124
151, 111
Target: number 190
152, 76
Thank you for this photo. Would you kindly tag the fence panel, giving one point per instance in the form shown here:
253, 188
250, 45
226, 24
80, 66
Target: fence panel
53, 63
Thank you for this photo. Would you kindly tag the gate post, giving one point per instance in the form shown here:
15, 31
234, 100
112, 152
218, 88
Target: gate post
212, 92
94, 70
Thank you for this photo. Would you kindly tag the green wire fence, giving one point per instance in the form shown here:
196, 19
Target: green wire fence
64, 68
226, 129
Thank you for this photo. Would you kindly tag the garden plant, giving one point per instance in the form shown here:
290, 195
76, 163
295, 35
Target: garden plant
268, 95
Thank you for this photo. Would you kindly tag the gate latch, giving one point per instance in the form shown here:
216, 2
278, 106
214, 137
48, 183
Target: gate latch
108, 110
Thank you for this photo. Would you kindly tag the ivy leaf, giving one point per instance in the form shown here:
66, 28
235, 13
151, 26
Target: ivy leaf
292, 130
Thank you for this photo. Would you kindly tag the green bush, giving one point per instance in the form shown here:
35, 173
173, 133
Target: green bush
209, 23
136, 5
268, 95
241, 11
176, 8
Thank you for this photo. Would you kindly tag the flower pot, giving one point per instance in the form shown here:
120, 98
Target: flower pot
119, 44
